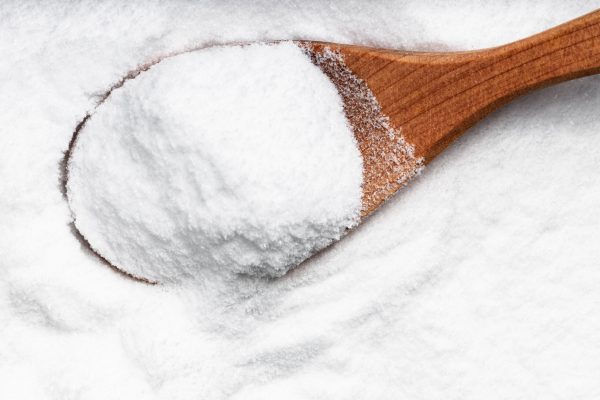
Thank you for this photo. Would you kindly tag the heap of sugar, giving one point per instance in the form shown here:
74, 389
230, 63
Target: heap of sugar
230, 159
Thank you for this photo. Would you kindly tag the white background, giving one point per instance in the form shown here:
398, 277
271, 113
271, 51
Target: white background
480, 280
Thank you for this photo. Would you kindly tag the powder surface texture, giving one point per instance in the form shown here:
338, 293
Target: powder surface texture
235, 159
479, 280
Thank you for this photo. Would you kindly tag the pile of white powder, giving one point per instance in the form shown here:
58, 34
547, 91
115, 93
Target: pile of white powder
228, 159
479, 281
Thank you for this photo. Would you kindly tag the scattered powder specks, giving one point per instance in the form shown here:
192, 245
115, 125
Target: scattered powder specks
229, 159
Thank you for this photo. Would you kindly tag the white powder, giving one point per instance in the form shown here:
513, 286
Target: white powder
233, 158
478, 281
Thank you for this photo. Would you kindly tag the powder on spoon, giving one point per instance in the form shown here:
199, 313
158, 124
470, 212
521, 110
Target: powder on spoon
233, 159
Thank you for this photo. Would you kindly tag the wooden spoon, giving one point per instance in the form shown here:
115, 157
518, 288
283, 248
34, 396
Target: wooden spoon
406, 107
432, 98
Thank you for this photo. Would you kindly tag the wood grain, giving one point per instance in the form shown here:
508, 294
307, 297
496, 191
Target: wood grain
434, 97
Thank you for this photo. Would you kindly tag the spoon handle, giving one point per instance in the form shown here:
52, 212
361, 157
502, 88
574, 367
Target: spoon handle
498, 75
435, 97
568, 51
